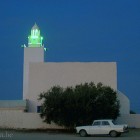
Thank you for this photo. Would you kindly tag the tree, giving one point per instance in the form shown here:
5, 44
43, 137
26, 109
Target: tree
79, 105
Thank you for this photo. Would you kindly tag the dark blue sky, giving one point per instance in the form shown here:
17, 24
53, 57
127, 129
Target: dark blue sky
73, 30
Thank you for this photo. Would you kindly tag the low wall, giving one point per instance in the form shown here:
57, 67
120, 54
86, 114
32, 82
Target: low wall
133, 120
17, 119
20, 120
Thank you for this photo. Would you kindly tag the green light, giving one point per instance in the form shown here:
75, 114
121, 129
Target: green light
35, 39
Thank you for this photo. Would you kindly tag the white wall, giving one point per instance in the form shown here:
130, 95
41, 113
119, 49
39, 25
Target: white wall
30, 55
133, 120
17, 119
42, 76
124, 103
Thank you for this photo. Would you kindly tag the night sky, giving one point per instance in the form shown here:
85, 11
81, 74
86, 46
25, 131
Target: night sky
73, 30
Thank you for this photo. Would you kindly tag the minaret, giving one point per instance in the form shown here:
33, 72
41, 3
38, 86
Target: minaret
34, 52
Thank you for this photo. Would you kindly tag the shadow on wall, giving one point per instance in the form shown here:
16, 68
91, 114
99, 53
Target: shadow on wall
124, 103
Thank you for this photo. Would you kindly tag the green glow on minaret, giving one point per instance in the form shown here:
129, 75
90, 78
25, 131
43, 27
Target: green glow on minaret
35, 39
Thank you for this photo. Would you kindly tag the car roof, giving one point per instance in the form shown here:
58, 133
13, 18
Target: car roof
104, 120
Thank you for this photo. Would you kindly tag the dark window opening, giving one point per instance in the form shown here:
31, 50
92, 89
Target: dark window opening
39, 109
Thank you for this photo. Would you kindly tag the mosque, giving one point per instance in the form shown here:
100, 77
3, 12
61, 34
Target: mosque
39, 76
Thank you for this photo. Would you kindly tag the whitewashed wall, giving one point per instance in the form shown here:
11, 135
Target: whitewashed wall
42, 76
18, 120
124, 103
30, 55
133, 120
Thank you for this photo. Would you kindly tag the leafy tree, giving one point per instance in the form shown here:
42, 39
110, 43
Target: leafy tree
79, 105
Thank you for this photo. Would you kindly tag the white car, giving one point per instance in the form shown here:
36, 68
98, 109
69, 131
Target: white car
103, 127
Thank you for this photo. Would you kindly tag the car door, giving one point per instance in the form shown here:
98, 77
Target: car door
105, 127
95, 128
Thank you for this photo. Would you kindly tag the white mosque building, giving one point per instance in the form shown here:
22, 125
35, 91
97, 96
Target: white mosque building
40, 76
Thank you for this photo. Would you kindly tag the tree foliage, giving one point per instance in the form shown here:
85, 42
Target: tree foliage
79, 105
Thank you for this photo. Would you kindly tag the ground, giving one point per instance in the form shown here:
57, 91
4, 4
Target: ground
134, 134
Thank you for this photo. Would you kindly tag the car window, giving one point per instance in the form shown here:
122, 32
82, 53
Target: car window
96, 123
105, 123
114, 122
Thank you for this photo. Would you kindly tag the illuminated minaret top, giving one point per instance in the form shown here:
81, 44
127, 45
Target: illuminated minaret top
35, 39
